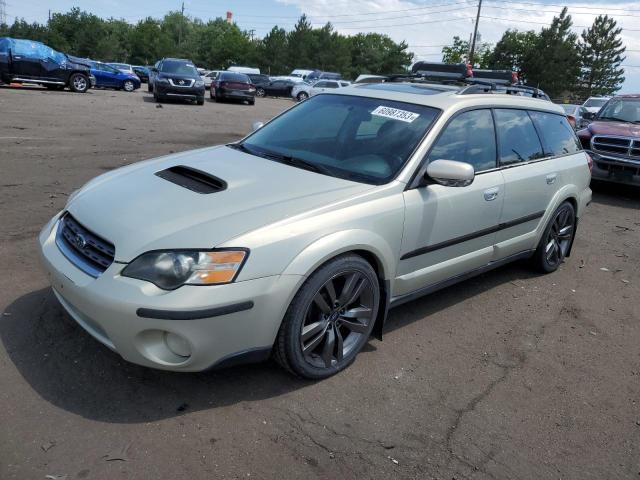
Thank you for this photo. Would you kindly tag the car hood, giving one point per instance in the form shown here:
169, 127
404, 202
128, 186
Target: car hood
622, 129
138, 211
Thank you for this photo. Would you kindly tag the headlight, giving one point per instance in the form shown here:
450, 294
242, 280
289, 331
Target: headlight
162, 80
172, 269
199, 83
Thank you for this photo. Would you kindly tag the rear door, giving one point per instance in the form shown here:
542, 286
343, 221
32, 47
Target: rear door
26, 59
452, 230
533, 172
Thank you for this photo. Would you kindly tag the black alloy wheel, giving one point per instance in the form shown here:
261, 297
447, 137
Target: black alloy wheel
330, 319
557, 238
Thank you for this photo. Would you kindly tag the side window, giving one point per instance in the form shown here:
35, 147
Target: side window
469, 138
518, 140
332, 85
557, 135
4, 45
321, 85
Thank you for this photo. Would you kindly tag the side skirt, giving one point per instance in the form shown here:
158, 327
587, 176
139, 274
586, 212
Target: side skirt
396, 301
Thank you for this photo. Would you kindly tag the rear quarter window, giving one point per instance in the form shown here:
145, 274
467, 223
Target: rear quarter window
518, 139
558, 137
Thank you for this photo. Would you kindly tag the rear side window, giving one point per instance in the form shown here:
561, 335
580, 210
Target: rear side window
469, 138
518, 140
557, 135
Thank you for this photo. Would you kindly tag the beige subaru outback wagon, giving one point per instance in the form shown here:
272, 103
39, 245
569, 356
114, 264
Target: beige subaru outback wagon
297, 240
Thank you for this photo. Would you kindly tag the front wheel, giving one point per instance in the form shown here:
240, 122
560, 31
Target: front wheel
200, 101
78, 83
128, 86
556, 239
330, 319
260, 92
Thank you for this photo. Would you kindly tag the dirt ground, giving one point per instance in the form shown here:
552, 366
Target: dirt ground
511, 375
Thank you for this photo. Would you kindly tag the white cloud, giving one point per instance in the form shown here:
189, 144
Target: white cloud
420, 24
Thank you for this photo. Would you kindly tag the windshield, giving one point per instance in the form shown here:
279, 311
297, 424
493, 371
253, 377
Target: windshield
357, 138
179, 68
595, 102
621, 109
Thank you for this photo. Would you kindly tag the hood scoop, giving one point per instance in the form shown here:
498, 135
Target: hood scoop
192, 179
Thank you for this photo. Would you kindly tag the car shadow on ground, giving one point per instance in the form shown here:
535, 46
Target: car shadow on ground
616, 194
68, 368
169, 101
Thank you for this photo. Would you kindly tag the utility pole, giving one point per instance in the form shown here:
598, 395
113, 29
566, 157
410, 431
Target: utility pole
472, 51
3, 12
181, 23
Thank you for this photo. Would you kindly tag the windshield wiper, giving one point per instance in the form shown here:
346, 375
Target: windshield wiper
243, 148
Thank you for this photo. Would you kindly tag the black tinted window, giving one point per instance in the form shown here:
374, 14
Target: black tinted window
557, 134
235, 77
468, 138
517, 137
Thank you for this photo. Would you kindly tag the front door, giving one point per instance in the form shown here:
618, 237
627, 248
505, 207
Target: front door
26, 57
452, 230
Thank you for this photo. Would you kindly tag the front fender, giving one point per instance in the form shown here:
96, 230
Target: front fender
328, 247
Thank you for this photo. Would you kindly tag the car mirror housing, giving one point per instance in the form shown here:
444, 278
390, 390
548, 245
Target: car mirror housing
450, 173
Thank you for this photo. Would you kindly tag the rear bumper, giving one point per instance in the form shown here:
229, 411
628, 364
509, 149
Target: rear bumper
615, 169
234, 94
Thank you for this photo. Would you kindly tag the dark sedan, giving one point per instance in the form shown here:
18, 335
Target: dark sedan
233, 86
142, 73
276, 88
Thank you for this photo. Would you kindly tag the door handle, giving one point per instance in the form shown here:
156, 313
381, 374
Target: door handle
491, 194
551, 178
17, 57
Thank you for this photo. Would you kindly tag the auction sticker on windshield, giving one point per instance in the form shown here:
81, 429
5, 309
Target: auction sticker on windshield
395, 113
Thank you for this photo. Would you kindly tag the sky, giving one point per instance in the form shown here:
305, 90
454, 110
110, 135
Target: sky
426, 25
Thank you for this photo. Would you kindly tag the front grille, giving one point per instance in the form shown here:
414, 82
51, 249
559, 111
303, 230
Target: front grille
185, 82
625, 147
86, 250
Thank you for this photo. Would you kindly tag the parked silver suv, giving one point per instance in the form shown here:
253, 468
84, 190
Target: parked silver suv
296, 241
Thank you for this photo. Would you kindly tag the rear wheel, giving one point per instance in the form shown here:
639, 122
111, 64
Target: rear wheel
79, 83
302, 96
330, 319
260, 92
556, 239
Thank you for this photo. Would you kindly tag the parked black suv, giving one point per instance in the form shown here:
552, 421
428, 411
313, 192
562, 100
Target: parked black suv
28, 61
176, 78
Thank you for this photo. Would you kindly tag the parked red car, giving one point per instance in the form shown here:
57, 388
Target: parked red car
613, 140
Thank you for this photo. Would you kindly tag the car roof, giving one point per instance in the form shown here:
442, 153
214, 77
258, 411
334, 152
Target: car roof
444, 97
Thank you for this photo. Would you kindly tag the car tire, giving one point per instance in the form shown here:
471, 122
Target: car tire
260, 92
128, 86
252, 102
79, 83
302, 96
330, 319
149, 88
556, 240
200, 101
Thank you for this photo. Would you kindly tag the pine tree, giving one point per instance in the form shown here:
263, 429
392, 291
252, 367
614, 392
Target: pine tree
601, 53
554, 63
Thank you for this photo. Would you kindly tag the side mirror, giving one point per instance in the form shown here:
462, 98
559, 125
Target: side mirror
154, 70
451, 173
257, 126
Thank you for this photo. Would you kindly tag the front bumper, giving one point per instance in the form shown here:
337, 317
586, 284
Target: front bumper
615, 169
188, 93
245, 316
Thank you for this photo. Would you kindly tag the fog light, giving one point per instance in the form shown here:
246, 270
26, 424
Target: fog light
178, 345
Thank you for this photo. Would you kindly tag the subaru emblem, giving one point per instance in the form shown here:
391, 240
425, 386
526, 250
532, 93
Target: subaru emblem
80, 241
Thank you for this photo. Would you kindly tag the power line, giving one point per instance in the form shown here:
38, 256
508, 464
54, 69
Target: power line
561, 6
557, 12
510, 20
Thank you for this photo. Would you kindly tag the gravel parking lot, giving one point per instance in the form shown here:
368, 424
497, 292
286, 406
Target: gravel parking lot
509, 375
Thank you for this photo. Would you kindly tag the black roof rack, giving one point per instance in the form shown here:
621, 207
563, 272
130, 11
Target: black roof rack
471, 85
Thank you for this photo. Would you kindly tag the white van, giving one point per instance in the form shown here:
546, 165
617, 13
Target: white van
244, 70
